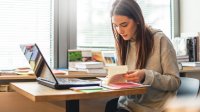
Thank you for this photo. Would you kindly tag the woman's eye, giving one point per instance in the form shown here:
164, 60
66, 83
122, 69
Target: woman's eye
124, 24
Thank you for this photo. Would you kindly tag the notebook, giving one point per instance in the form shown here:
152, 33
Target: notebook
45, 75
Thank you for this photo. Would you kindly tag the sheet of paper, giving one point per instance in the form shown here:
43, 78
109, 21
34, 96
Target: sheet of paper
112, 70
115, 74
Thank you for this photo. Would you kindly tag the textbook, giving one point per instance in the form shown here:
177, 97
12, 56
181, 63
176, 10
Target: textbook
88, 89
89, 65
90, 70
78, 73
117, 80
59, 72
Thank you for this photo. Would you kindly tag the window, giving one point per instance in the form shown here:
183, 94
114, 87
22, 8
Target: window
93, 24
157, 14
94, 27
22, 22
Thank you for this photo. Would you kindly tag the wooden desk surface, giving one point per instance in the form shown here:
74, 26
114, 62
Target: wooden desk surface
37, 92
10, 77
190, 71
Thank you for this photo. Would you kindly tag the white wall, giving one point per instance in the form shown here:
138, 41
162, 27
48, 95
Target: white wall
190, 21
189, 16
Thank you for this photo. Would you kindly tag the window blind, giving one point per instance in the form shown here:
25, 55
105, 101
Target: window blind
93, 24
22, 22
94, 27
157, 14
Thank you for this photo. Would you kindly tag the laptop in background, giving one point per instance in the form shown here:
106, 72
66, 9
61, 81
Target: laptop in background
45, 75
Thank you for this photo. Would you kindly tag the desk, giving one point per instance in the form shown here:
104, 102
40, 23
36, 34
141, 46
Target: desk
40, 93
5, 79
183, 73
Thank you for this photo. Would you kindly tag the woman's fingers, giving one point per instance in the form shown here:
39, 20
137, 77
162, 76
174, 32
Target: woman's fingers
134, 76
131, 77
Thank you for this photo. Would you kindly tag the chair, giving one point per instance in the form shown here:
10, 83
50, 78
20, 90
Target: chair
189, 87
111, 105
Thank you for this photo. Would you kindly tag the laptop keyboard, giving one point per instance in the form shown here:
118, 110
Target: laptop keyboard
71, 81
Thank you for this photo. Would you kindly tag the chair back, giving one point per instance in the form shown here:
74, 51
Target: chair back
189, 87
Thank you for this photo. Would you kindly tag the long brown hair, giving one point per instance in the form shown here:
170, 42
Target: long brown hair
144, 38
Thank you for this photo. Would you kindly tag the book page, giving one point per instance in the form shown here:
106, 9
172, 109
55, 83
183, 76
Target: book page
124, 85
115, 79
115, 74
113, 70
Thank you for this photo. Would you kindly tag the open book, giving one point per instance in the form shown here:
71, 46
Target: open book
115, 79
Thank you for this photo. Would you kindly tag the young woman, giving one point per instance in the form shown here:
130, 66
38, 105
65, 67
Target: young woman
149, 55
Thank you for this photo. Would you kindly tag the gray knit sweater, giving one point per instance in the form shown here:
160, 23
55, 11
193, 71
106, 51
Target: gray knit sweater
161, 72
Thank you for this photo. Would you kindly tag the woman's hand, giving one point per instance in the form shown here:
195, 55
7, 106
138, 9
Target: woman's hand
135, 76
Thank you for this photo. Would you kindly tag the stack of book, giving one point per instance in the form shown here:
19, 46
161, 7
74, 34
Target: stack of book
77, 55
85, 68
187, 47
190, 65
59, 72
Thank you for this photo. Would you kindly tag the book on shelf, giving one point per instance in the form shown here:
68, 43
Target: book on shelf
191, 49
180, 67
180, 45
7, 72
78, 73
183, 58
194, 64
59, 72
90, 70
196, 37
24, 71
86, 55
18, 71
78, 55
97, 56
198, 46
188, 44
89, 65
74, 55
94, 70
109, 58
116, 80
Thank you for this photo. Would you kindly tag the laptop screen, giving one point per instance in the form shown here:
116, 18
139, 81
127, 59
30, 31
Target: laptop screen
37, 62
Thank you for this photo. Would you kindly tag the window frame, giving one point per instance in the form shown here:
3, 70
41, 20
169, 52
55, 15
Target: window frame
65, 31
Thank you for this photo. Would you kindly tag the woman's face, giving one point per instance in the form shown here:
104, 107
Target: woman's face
125, 26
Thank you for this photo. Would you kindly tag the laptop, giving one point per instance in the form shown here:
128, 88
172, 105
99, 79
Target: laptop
45, 75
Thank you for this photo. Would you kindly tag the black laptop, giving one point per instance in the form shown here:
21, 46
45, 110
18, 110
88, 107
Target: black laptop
45, 75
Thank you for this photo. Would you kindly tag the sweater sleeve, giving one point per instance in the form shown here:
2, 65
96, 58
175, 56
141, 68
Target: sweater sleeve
168, 80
